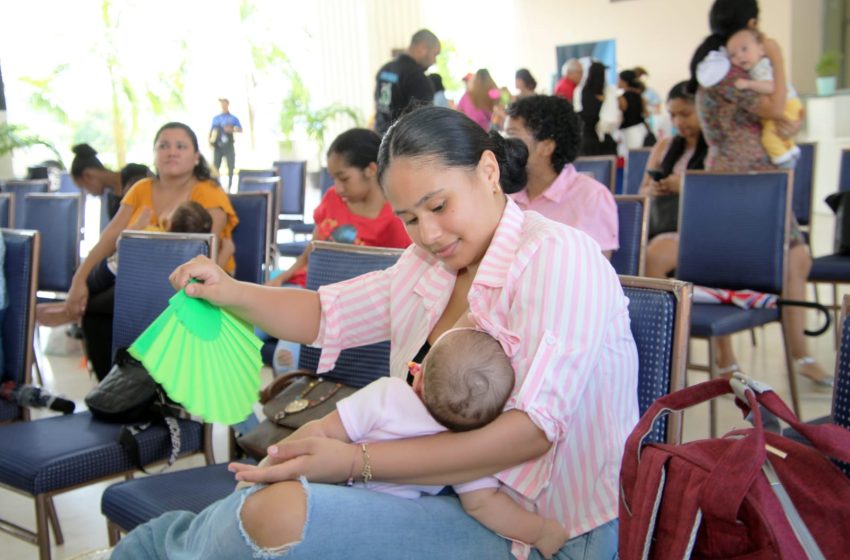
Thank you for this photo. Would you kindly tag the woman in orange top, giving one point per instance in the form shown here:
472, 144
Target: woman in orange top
182, 175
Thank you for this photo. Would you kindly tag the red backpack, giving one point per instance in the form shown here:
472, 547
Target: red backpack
750, 494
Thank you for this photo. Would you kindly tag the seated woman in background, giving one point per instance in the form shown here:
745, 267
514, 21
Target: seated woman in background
354, 209
665, 168
182, 175
90, 175
551, 131
480, 99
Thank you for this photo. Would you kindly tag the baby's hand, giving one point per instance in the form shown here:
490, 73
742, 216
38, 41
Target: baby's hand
741, 83
553, 538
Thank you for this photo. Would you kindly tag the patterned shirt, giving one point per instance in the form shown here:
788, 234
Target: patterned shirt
730, 127
546, 293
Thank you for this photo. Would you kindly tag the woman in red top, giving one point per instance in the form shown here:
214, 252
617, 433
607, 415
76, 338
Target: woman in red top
354, 210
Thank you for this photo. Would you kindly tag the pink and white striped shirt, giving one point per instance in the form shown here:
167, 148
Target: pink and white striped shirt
555, 304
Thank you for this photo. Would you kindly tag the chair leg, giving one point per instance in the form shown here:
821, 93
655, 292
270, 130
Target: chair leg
753, 337
792, 375
712, 373
114, 533
836, 308
41, 528
53, 517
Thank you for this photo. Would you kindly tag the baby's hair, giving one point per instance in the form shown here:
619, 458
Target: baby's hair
190, 217
468, 379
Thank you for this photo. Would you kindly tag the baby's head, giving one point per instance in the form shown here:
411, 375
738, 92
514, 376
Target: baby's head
745, 48
466, 379
190, 217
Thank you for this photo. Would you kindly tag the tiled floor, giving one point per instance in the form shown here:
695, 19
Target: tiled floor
85, 528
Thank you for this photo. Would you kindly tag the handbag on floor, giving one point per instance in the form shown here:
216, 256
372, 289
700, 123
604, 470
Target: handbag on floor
129, 395
749, 494
289, 402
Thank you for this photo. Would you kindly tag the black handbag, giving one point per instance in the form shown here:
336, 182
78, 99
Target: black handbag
129, 395
289, 402
663, 214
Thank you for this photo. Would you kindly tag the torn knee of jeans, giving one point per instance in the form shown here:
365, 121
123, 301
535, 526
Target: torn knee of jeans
274, 551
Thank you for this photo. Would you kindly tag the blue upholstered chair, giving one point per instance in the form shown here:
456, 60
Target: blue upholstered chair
804, 184
271, 185
660, 320
841, 395
633, 219
635, 169
733, 233
254, 174
7, 210
76, 450
20, 270
67, 184
252, 237
293, 187
128, 504
59, 219
603, 168
325, 180
20, 188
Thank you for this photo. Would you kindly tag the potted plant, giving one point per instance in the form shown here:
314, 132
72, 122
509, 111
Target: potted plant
827, 71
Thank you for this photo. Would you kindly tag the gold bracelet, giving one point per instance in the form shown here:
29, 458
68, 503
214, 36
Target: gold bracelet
367, 468
350, 481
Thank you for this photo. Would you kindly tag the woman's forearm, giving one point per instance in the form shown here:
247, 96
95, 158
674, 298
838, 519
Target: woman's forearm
285, 313
454, 458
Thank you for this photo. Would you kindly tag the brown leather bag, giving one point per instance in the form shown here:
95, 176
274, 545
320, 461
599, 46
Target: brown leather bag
289, 402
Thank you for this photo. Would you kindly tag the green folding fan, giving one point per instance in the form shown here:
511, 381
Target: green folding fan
205, 358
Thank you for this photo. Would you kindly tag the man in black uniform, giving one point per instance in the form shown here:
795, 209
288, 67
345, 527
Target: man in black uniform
402, 82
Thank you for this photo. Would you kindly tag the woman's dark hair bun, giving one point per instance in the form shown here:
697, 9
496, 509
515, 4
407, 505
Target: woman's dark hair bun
512, 162
83, 151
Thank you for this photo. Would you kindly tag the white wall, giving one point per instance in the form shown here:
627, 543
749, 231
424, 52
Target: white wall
659, 35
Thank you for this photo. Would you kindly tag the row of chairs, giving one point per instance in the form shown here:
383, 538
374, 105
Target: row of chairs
44, 457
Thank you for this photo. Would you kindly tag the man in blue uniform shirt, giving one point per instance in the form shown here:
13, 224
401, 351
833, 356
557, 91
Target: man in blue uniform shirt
221, 138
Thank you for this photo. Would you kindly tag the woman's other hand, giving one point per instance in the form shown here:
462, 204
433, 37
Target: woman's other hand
78, 296
319, 459
668, 185
213, 284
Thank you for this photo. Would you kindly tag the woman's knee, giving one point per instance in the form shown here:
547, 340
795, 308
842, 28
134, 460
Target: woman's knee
275, 516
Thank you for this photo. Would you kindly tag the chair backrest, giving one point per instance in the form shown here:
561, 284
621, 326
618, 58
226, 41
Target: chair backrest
844, 171
635, 169
271, 185
660, 314
633, 218
841, 393
67, 184
7, 210
59, 219
20, 188
733, 230
293, 185
335, 262
325, 180
804, 183
254, 174
142, 290
252, 237
604, 169
20, 270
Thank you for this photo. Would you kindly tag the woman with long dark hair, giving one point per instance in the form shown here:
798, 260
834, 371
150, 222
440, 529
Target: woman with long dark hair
182, 175
596, 137
665, 167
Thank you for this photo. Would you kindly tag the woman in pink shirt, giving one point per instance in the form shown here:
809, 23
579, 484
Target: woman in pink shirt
551, 131
478, 101
541, 289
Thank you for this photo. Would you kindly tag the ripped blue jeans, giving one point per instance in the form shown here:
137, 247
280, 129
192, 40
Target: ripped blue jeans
343, 522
